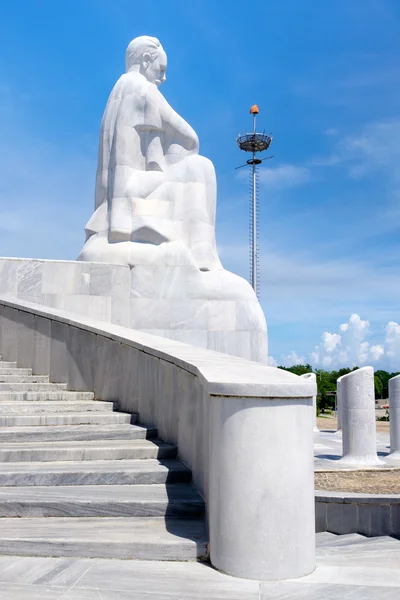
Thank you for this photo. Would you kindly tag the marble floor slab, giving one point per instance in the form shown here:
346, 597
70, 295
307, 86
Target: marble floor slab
356, 578
328, 450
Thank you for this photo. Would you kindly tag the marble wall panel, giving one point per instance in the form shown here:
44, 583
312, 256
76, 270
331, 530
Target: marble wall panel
148, 387
107, 369
42, 341
100, 308
77, 303
221, 315
60, 278
169, 398
247, 316
59, 352
230, 342
10, 334
143, 284
54, 301
128, 390
120, 309
26, 344
258, 347
198, 338
1, 327
100, 280
29, 281
170, 282
87, 289
193, 442
81, 359
8, 276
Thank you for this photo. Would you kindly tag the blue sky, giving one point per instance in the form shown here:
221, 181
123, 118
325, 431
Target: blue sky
326, 76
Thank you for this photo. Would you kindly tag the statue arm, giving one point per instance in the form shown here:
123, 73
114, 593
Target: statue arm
177, 130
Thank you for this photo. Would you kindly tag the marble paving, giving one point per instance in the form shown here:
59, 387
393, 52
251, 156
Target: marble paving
328, 451
348, 568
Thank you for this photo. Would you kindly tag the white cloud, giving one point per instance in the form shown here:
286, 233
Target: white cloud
287, 360
272, 362
392, 345
351, 348
374, 148
331, 341
376, 352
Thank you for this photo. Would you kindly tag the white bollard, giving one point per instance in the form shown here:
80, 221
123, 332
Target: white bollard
312, 377
339, 404
394, 415
262, 507
357, 394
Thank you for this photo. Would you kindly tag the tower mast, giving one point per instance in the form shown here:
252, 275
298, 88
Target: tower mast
254, 142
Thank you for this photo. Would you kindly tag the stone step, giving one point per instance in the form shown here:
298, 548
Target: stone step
17, 378
14, 371
179, 500
32, 387
56, 433
86, 450
324, 536
83, 418
4, 364
99, 472
57, 395
32, 408
123, 538
55, 578
370, 547
341, 540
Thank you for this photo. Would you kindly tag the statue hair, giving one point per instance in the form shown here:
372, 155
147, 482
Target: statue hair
139, 46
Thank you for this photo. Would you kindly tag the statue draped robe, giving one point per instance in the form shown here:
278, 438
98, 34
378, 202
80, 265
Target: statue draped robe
151, 184
155, 207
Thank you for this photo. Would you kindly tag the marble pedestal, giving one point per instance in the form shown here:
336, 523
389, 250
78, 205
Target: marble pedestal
339, 405
312, 377
99, 291
175, 302
262, 523
358, 418
394, 408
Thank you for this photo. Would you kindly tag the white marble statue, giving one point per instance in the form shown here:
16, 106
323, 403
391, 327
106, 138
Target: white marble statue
155, 207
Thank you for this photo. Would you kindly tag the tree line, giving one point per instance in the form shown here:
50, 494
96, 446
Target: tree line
326, 381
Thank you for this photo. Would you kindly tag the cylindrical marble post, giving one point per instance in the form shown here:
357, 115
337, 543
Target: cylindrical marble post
394, 412
261, 498
339, 405
312, 377
357, 394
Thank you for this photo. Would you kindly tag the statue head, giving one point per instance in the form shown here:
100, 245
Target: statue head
146, 56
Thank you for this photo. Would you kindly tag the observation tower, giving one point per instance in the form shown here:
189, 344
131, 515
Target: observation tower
254, 143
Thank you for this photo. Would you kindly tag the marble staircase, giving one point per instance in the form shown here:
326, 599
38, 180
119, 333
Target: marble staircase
78, 479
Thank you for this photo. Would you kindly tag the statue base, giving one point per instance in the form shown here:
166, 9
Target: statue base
211, 309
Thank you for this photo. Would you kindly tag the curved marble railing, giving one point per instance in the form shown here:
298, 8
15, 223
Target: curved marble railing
243, 428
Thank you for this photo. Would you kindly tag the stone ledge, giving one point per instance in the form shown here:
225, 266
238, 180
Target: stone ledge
221, 374
366, 514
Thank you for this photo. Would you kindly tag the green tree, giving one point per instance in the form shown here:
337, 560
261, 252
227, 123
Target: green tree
298, 369
384, 376
378, 386
326, 383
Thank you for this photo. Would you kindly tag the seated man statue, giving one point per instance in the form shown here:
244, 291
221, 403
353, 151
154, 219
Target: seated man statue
155, 206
